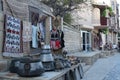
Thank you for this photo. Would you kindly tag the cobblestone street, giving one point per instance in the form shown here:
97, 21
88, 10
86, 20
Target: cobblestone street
114, 74
105, 69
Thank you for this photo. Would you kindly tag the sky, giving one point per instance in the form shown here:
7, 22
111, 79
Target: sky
118, 1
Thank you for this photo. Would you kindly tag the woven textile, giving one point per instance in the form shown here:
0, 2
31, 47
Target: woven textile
12, 37
27, 31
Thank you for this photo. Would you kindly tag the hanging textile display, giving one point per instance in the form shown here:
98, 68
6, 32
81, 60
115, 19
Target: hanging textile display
42, 31
99, 40
62, 39
34, 36
13, 37
55, 39
27, 31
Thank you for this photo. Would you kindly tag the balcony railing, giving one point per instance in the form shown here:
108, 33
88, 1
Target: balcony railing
104, 21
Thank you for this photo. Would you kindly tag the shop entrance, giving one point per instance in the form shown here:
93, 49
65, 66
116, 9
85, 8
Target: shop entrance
86, 41
37, 20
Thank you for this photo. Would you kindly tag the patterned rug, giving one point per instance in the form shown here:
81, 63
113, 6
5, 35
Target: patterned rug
12, 37
114, 74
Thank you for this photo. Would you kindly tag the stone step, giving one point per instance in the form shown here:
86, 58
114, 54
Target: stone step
3, 65
105, 54
86, 68
89, 60
87, 57
83, 64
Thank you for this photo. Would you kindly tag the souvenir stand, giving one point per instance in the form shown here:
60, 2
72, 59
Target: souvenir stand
26, 41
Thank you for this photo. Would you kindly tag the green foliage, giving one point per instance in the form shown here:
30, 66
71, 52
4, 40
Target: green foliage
105, 11
67, 18
111, 11
66, 2
105, 31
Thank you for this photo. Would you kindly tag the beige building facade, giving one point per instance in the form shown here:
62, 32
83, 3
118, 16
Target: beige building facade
82, 18
98, 23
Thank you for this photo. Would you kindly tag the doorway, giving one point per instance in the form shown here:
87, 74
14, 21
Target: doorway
86, 40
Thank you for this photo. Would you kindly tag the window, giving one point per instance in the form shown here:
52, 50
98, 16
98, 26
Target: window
113, 5
1, 5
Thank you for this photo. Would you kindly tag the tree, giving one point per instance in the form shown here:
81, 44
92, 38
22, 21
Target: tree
61, 7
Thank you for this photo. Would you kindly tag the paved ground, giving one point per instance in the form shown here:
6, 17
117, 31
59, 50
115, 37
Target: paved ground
114, 74
105, 69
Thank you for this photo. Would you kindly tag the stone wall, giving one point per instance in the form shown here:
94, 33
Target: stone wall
82, 15
72, 39
47, 30
1, 33
16, 9
20, 8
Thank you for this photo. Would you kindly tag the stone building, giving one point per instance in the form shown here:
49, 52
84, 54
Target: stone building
109, 22
28, 11
74, 40
97, 22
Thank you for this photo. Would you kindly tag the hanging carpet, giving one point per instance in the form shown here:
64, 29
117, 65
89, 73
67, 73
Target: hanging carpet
12, 37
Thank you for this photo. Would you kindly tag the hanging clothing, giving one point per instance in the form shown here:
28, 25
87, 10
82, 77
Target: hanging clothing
42, 30
55, 34
34, 36
55, 40
99, 41
62, 39
55, 44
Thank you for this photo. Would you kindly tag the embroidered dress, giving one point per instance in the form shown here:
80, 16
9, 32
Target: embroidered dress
55, 40
42, 30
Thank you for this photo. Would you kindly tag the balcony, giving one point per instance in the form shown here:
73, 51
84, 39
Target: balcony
96, 22
104, 23
99, 19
